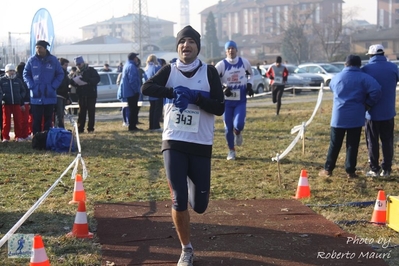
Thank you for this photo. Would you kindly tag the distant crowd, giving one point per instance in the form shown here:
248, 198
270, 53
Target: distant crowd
34, 94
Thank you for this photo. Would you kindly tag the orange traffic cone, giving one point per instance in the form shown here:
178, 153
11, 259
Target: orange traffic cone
380, 209
80, 227
39, 256
303, 190
78, 191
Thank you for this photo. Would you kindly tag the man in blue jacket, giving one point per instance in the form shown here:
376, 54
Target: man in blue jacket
43, 74
131, 80
380, 119
354, 91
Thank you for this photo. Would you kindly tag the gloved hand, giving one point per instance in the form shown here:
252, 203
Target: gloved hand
250, 91
183, 96
227, 91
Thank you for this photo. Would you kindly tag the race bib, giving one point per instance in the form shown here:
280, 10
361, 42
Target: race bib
187, 121
278, 80
235, 97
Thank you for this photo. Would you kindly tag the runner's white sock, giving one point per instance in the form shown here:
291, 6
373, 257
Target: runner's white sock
187, 246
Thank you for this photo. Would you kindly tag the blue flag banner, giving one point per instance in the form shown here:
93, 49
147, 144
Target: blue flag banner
42, 28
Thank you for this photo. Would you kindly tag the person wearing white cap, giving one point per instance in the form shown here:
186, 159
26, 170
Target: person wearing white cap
13, 91
380, 120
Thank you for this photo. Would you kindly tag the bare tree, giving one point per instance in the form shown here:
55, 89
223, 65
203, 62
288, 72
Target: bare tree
330, 35
295, 27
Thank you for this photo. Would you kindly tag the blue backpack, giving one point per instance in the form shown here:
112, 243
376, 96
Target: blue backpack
59, 140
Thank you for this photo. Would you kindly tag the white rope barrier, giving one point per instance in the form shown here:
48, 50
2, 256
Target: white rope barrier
288, 149
318, 103
74, 164
34, 206
107, 105
300, 129
79, 156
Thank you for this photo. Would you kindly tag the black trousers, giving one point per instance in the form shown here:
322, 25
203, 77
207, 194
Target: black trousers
352, 148
134, 111
87, 106
277, 94
384, 131
156, 107
40, 112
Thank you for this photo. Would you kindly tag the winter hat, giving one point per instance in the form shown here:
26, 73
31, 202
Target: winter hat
353, 60
42, 43
79, 60
132, 56
9, 67
230, 44
188, 31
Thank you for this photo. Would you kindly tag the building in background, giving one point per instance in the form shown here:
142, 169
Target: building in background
126, 27
259, 26
110, 41
388, 13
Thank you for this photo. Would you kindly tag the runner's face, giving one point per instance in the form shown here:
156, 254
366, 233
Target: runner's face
231, 52
187, 50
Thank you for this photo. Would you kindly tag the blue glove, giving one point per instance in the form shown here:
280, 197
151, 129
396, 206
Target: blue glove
183, 96
181, 102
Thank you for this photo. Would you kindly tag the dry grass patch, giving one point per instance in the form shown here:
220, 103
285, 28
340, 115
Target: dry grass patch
129, 167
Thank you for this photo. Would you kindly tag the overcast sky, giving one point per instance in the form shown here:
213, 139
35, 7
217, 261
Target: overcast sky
69, 16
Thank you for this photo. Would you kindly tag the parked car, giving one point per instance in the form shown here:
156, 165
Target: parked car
339, 65
325, 70
309, 79
259, 81
292, 80
100, 68
107, 87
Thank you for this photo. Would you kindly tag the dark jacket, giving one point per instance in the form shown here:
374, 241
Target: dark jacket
13, 90
91, 76
27, 94
63, 89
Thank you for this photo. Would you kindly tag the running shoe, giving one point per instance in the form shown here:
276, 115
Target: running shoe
186, 257
231, 155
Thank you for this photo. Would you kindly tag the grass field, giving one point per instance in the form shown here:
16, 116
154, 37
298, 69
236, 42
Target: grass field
127, 166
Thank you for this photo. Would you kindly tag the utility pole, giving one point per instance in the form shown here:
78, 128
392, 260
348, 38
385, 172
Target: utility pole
10, 52
141, 24
184, 13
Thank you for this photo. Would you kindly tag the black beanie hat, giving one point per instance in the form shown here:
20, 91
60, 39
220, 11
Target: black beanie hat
353, 60
42, 43
188, 31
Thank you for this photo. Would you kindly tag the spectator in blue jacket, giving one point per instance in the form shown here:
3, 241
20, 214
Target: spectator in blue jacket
380, 120
43, 74
354, 91
156, 104
131, 89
